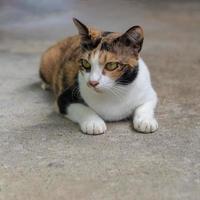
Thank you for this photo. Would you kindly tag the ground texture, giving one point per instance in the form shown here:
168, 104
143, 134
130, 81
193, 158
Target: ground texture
44, 156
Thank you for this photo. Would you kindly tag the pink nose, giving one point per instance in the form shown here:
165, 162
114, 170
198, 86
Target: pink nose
93, 83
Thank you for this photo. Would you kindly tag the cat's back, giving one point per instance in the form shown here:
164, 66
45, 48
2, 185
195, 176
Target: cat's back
52, 58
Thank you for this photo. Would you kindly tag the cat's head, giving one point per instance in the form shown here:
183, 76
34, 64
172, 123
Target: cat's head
109, 59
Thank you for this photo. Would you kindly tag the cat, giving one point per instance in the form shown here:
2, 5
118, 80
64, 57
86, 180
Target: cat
99, 76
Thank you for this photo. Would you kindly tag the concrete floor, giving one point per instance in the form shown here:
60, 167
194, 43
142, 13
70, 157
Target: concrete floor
44, 156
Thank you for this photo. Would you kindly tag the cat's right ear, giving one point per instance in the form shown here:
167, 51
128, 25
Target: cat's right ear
82, 29
133, 38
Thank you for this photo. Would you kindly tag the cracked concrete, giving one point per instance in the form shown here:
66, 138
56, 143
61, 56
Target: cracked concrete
44, 156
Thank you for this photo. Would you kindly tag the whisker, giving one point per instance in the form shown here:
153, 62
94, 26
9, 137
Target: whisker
115, 93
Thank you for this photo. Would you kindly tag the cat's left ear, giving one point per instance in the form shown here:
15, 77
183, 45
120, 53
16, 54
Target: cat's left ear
82, 29
90, 38
133, 37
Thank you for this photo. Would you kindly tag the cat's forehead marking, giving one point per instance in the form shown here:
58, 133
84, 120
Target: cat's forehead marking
96, 69
94, 57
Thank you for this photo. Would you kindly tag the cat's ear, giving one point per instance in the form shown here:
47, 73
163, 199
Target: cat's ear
82, 29
133, 37
89, 37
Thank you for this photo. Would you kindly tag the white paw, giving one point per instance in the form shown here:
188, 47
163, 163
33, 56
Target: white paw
145, 125
45, 86
93, 127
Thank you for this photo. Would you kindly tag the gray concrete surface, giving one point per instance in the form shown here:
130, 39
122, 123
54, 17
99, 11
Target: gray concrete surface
44, 156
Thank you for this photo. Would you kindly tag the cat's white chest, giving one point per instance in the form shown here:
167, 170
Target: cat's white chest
109, 107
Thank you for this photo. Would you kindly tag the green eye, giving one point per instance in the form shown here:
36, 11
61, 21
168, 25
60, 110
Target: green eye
85, 64
111, 66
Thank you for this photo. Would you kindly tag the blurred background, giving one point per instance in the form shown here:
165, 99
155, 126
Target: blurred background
44, 156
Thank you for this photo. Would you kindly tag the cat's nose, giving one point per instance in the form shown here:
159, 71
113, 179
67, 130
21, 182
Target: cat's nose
93, 83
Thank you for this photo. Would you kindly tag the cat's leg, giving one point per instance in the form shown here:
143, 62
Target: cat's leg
144, 120
88, 120
75, 110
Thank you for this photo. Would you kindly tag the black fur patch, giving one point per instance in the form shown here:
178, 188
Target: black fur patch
105, 46
126, 41
128, 76
90, 44
69, 96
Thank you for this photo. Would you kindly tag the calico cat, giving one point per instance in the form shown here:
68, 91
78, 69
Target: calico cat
97, 76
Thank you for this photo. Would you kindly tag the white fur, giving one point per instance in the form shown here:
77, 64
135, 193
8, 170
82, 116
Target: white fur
95, 74
113, 102
88, 120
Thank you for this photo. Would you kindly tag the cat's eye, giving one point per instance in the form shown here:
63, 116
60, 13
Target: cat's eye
111, 66
85, 64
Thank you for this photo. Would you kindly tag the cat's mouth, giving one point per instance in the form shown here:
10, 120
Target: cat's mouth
98, 90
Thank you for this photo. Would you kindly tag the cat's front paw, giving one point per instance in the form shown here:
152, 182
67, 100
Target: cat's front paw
93, 127
145, 125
